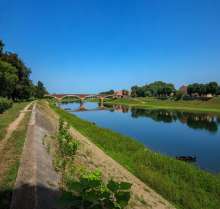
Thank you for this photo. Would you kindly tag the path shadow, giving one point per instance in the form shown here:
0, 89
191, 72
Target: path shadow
30, 197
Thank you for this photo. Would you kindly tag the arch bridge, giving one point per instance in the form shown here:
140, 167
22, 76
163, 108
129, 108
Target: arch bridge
81, 97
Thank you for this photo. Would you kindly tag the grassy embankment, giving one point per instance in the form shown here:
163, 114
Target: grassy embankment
10, 115
182, 184
212, 105
10, 155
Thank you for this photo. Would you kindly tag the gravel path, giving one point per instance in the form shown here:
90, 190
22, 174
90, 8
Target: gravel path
36, 185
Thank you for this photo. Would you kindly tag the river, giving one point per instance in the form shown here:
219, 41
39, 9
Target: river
173, 133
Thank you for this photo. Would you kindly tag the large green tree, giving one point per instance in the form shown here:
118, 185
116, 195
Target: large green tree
40, 90
15, 76
1, 47
8, 79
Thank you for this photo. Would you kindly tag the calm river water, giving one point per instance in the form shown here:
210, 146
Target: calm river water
173, 133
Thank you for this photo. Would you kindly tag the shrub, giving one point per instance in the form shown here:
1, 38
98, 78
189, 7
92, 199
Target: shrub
68, 146
5, 104
178, 95
91, 192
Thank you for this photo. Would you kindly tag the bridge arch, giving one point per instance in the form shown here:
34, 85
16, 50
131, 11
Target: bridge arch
71, 96
81, 97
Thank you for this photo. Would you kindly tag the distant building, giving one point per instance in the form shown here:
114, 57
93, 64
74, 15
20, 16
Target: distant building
121, 94
183, 89
118, 94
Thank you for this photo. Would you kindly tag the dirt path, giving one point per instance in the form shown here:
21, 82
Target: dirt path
93, 157
13, 126
4, 142
16, 122
36, 185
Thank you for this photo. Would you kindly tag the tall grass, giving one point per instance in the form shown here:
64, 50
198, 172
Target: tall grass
184, 185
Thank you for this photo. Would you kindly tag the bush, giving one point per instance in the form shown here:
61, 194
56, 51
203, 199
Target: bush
188, 97
5, 104
91, 192
68, 146
179, 95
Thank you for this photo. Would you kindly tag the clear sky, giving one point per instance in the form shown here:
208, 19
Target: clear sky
94, 45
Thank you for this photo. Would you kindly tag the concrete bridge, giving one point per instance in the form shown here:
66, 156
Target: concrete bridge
81, 97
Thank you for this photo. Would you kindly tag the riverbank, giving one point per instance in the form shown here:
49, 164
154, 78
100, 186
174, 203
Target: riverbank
90, 158
182, 184
212, 105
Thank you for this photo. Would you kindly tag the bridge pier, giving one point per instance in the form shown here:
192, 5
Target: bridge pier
101, 102
82, 107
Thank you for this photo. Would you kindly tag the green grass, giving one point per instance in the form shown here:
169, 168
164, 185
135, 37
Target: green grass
182, 184
9, 116
213, 105
10, 158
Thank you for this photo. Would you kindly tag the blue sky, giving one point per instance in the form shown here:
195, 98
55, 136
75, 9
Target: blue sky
94, 45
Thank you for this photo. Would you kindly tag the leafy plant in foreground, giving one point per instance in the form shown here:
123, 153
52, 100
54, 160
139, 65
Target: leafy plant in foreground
91, 192
68, 146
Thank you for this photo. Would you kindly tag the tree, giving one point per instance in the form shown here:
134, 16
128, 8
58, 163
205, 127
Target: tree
134, 91
15, 80
110, 92
40, 90
8, 79
1, 47
212, 88
218, 91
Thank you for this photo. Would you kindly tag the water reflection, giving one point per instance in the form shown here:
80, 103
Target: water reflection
203, 121
173, 133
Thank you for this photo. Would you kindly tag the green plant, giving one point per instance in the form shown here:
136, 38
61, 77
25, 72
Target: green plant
5, 104
67, 147
91, 192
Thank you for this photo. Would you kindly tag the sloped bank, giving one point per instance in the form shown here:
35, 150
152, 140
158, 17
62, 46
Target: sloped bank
182, 184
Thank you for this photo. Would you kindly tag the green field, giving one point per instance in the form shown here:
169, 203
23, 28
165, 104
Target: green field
9, 116
212, 105
182, 184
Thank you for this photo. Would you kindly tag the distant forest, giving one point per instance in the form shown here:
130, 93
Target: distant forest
160, 88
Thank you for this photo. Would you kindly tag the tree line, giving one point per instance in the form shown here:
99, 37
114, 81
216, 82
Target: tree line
204, 89
15, 82
163, 89
157, 88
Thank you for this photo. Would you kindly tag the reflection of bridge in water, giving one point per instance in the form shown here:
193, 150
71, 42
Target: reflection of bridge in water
88, 110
